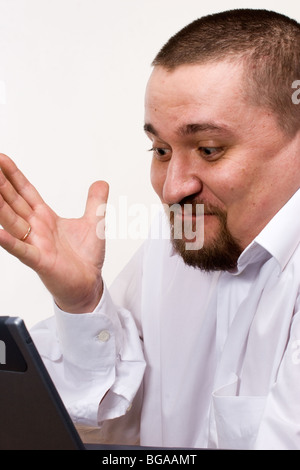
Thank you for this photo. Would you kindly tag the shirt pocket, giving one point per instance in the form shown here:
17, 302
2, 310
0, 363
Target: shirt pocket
236, 418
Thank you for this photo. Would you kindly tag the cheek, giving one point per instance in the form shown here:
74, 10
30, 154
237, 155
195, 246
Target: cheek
247, 215
231, 184
157, 178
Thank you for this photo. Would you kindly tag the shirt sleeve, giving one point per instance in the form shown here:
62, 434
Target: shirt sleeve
95, 360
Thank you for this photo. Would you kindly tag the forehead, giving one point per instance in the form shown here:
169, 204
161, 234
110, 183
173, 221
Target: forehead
209, 92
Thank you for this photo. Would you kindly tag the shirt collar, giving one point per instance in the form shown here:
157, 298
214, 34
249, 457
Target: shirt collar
278, 239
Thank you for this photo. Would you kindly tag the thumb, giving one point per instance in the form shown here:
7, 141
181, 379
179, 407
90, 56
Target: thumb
96, 200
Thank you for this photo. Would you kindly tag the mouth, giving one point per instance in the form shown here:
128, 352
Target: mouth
192, 213
198, 212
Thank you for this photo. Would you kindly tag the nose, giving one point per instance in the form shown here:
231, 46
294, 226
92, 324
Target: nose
181, 181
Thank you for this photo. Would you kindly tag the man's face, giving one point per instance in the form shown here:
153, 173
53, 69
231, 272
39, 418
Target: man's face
212, 147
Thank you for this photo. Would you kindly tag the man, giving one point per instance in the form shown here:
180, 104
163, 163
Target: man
199, 347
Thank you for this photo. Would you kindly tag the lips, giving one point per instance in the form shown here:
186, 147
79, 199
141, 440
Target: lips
192, 210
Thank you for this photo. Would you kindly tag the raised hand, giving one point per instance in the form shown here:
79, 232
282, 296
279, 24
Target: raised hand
67, 254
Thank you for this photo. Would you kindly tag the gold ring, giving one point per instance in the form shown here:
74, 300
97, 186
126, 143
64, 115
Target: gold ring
26, 234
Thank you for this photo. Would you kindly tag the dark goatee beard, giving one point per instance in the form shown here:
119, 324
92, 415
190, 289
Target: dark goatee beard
219, 254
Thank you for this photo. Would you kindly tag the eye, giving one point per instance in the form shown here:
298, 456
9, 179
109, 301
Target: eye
210, 153
162, 154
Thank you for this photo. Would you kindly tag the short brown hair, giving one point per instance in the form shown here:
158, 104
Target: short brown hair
267, 42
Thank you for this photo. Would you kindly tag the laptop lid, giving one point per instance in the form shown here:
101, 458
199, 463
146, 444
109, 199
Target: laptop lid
32, 415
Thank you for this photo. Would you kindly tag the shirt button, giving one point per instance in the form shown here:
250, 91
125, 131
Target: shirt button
103, 336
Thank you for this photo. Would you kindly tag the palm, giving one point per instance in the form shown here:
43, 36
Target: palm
66, 253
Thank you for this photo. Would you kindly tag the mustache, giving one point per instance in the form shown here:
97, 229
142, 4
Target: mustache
189, 205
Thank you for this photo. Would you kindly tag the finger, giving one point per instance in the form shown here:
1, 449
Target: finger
97, 198
20, 182
12, 222
13, 198
27, 254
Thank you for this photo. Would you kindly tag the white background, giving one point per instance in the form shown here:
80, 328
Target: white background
72, 81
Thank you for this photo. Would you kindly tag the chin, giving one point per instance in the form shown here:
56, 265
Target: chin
220, 255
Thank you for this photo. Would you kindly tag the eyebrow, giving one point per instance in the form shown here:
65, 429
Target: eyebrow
150, 129
190, 129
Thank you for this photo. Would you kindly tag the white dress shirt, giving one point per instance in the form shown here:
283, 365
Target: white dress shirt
219, 360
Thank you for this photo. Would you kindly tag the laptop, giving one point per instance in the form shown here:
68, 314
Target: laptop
32, 414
